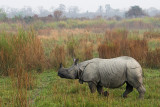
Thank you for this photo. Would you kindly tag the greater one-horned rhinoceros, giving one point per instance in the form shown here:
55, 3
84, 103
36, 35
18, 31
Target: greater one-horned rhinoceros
110, 73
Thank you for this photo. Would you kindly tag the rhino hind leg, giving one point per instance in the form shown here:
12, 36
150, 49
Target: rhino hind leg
100, 91
134, 77
141, 90
106, 94
128, 90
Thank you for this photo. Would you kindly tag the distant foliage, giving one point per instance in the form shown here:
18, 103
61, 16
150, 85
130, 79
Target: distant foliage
135, 11
58, 14
3, 15
28, 19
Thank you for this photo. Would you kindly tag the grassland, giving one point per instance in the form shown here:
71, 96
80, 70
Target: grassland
30, 57
52, 91
148, 23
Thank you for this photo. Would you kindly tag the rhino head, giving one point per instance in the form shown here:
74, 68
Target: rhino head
69, 73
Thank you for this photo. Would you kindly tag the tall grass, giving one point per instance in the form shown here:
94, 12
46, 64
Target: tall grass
117, 44
25, 46
113, 43
57, 56
20, 54
153, 58
6, 59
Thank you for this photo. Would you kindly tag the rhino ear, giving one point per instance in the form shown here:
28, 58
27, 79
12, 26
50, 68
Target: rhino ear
76, 61
60, 66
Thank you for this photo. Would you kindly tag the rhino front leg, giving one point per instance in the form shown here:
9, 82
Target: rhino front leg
92, 87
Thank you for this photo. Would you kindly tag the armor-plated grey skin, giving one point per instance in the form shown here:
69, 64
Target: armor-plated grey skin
109, 73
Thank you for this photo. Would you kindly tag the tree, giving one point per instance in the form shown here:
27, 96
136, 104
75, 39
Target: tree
58, 14
73, 9
18, 17
100, 10
3, 15
135, 11
107, 9
43, 12
28, 19
62, 8
26, 11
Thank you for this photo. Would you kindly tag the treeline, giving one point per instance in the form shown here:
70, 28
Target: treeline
62, 12
96, 25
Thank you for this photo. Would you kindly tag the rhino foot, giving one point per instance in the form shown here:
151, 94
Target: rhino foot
106, 94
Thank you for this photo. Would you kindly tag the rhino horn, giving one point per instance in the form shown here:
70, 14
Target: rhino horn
60, 66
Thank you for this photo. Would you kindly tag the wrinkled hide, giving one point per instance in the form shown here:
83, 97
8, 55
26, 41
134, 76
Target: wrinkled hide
111, 73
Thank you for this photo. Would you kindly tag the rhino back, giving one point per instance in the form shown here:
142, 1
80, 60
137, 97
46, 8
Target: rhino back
112, 72
108, 72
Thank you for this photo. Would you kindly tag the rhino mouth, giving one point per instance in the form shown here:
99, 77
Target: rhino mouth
61, 75
64, 76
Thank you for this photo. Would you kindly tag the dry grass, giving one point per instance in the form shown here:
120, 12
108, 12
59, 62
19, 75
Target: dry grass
21, 82
23, 53
88, 51
153, 58
57, 56
25, 46
84, 44
117, 44
152, 34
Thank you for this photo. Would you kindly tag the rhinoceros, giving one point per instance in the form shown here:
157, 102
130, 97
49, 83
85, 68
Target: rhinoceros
109, 73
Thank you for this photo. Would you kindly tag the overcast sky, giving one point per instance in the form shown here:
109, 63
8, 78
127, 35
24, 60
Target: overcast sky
84, 5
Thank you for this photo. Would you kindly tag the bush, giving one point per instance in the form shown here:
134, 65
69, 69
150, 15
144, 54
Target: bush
57, 56
62, 24
22, 48
117, 44
153, 58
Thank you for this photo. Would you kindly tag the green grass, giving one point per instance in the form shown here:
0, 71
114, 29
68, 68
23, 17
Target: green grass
52, 91
76, 23
154, 44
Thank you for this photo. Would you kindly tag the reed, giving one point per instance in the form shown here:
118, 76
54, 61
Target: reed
117, 44
57, 56
23, 45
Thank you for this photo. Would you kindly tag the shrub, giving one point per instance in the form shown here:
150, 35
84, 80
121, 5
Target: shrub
57, 56
62, 24
153, 58
23, 45
117, 44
